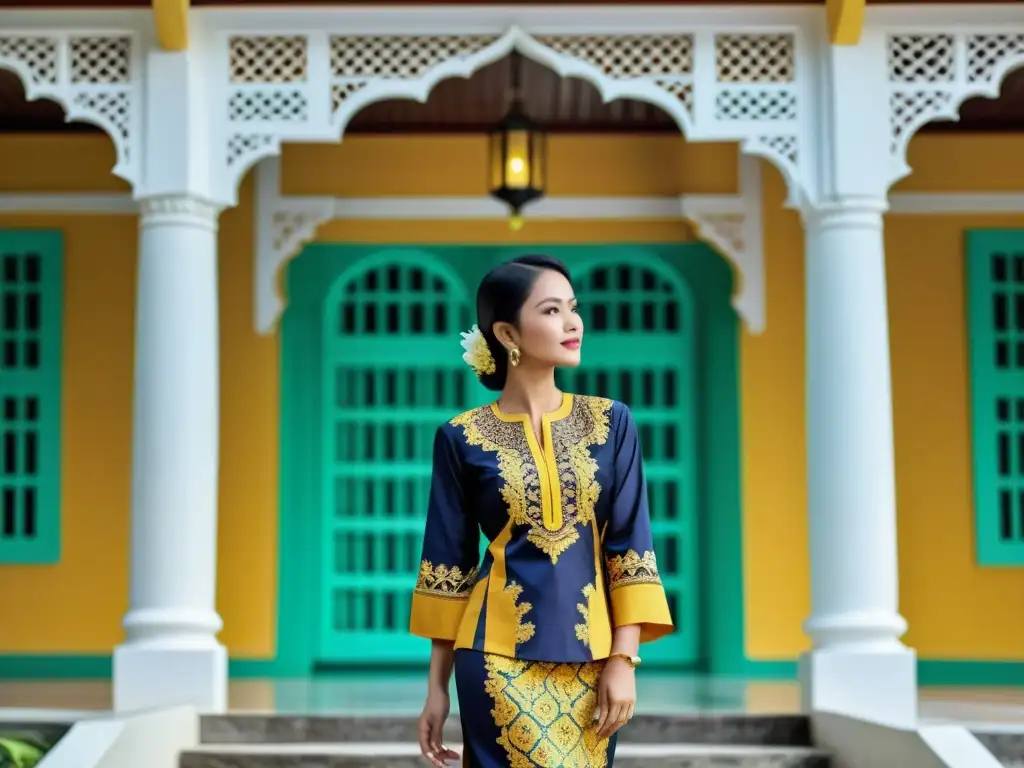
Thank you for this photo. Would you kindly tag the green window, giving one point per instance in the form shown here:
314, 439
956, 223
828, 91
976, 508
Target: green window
30, 386
995, 313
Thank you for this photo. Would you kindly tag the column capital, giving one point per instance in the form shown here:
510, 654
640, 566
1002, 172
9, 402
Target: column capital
850, 211
181, 209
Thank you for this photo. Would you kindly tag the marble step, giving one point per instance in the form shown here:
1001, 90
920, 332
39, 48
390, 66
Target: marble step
751, 730
1006, 746
367, 755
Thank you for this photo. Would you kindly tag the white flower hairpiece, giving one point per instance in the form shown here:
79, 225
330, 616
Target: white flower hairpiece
477, 355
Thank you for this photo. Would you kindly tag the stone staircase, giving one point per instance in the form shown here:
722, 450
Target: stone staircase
281, 741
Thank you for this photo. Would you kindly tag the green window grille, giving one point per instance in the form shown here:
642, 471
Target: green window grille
31, 286
392, 372
639, 350
995, 313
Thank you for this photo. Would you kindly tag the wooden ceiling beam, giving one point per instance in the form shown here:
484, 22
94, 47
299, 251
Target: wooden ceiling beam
845, 21
171, 19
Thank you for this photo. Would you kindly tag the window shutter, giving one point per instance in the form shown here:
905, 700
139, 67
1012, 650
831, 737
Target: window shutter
31, 309
995, 311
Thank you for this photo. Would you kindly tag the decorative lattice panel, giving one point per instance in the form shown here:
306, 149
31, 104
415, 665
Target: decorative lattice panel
356, 61
94, 77
30, 393
392, 374
664, 60
995, 295
932, 73
639, 349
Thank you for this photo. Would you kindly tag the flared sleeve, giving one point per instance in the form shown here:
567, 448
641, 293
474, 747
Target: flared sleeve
637, 594
451, 548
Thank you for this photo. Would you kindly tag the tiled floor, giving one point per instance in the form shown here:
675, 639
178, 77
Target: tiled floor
402, 695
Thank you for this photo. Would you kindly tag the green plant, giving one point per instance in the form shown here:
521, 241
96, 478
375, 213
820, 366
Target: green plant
21, 751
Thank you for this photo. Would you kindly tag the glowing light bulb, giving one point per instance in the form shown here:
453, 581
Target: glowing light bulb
516, 175
515, 223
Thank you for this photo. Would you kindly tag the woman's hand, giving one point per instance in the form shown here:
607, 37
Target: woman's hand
616, 696
431, 728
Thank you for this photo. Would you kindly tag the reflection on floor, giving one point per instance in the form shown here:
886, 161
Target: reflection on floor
403, 695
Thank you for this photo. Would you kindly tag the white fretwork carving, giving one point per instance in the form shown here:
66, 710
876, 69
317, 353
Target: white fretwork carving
717, 85
93, 76
730, 223
283, 226
932, 73
733, 225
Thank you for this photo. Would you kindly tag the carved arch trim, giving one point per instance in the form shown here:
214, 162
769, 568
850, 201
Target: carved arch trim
718, 83
932, 73
94, 75
732, 224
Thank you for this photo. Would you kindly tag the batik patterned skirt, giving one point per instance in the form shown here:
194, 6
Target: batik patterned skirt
529, 714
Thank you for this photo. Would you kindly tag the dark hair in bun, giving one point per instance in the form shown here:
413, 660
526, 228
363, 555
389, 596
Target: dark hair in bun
500, 299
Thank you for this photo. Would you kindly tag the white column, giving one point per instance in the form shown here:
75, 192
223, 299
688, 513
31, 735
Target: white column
858, 665
171, 654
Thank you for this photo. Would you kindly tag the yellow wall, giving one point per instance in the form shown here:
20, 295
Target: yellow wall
955, 609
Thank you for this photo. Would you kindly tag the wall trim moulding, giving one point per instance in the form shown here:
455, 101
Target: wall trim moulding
68, 202
561, 207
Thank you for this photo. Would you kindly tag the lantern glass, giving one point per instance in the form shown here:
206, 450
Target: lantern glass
538, 160
518, 161
513, 159
497, 160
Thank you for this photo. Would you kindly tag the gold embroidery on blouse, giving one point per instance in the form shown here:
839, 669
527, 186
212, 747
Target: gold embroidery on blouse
586, 425
524, 629
445, 581
545, 712
632, 568
583, 630
521, 488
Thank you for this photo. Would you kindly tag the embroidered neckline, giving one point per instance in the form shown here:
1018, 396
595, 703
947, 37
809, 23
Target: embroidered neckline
552, 490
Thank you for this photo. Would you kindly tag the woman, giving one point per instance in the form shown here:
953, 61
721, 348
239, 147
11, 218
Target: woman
544, 634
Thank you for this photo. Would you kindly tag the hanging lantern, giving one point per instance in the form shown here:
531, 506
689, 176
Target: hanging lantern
518, 155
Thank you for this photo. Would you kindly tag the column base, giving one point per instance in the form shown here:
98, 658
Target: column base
880, 685
149, 676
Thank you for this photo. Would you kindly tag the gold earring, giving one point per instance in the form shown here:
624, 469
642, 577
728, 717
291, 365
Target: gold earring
514, 356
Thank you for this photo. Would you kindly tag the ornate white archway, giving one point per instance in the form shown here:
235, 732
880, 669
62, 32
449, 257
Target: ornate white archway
730, 223
719, 81
94, 75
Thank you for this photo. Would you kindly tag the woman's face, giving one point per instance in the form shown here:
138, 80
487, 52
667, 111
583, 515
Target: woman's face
550, 328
